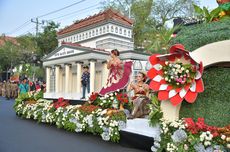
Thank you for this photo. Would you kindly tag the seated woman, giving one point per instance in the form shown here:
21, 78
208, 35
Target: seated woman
119, 73
140, 98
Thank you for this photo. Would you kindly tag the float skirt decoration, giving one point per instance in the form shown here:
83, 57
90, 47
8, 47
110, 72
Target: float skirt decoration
176, 76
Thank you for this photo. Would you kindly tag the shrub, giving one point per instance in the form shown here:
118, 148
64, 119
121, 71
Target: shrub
214, 103
195, 36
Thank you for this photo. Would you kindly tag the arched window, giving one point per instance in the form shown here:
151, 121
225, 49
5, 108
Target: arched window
104, 29
83, 36
86, 35
112, 29
107, 30
125, 32
93, 33
90, 34
100, 31
96, 31
129, 33
116, 30
120, 31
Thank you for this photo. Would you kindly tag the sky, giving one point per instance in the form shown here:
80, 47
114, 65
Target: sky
16, 15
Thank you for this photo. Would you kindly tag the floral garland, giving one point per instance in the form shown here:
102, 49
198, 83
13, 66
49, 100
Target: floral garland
186, 135
109, 101
77, 118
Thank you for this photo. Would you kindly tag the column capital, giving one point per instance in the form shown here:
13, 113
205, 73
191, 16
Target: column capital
68, 64
79, 62
57, 65
92, 60
104, 62
48, 67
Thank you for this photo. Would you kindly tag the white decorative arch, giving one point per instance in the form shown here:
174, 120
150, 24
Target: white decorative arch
212, 53
209, 54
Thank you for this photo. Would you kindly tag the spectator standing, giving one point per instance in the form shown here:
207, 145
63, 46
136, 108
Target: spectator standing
23, 87
85, 81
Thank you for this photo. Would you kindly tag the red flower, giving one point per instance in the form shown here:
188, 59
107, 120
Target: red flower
165, 90
93, 96
200, 125
123, 98
60, 103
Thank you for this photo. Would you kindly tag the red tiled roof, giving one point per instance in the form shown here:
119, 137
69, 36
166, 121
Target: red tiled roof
4, 39
76, 44
108, 14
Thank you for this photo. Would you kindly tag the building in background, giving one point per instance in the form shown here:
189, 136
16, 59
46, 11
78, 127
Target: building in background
89, 42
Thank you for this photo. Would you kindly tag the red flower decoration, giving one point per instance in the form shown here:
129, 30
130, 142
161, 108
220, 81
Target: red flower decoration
93, 96
60, 103
123, 98
165, 90
196, 127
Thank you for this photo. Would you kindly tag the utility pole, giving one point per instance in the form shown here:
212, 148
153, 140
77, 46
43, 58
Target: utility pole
37, 24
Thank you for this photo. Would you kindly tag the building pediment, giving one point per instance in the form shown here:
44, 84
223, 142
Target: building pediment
64, 51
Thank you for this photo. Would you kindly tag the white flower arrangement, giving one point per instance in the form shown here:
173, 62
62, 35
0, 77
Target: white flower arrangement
73, 119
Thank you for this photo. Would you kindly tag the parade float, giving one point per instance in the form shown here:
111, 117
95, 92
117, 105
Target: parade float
176, 78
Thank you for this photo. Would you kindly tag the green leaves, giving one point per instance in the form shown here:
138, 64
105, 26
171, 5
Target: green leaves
193, 37
156, 114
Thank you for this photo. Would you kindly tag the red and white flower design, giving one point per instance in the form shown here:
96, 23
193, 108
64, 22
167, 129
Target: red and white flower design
165, 90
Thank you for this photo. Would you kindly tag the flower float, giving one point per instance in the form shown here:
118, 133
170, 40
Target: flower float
176, 76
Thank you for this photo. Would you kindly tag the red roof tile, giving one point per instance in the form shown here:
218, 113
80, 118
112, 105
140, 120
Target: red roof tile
108, 14
76, 44
4, 39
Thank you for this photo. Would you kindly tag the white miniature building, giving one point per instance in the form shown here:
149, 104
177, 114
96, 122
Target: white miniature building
89, 41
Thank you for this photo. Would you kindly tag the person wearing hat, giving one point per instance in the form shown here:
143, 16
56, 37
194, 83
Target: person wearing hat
85, 81
23, 87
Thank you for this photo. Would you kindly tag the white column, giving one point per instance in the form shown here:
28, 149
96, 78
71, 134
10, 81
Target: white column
57, 78
79, 77
48, 79
67, 78
92, 74
105, 74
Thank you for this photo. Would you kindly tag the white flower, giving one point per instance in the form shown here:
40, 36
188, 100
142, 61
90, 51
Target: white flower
228, 146
153, 149
165, 72
207, 143
111, 98
177, 83
105, 136
223, 137
228, 139
187, 71
182, 68
201, 138
166, 62
173, 70
104, 101
170, 65
166, 79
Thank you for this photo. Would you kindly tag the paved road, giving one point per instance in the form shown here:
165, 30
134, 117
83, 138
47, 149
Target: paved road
21, 135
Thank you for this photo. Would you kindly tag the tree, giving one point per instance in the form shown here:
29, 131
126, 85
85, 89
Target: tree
165, 10
47, 41
150, 18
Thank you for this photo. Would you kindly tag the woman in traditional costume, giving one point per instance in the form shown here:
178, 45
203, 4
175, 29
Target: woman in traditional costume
140, 98
119, 73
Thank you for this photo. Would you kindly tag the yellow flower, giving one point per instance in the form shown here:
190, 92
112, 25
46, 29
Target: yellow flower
222, 13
